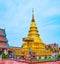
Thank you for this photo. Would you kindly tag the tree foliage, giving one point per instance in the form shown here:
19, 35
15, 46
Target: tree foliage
58, 55
4, 55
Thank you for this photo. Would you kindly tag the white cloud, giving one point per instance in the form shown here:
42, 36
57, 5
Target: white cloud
51, 12
51, 27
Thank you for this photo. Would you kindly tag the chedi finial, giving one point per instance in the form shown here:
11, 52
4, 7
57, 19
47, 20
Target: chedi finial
32, 13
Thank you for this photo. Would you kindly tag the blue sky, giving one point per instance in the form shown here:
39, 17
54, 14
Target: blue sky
15, 18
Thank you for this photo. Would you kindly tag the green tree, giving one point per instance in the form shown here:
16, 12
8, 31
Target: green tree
58, 55
4, 55
49, 47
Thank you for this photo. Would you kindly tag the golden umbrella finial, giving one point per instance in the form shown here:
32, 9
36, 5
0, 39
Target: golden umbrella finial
32, 13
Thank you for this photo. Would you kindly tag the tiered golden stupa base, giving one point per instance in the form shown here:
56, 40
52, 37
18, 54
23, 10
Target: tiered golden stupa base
36, 48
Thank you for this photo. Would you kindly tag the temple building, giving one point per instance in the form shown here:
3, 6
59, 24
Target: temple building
3, 41
53, 46
33, 44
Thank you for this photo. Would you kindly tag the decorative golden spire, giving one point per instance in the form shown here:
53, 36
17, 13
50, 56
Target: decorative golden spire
33, 24
33, 28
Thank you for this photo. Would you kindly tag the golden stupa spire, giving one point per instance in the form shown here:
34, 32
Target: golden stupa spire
33, 20
33, 28
33, 24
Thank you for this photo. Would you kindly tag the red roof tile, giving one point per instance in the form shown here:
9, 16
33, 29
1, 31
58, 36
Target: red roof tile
1, 32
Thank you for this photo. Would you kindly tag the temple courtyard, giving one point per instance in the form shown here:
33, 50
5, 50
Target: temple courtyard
7, 61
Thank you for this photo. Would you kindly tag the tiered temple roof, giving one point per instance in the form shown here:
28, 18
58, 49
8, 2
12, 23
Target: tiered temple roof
3, 39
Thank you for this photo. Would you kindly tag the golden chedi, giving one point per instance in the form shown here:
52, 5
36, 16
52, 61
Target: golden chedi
33, 43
